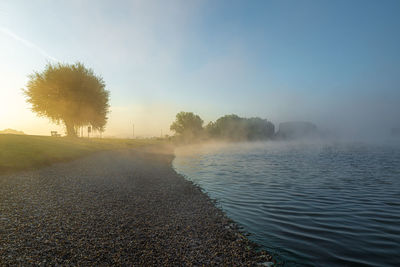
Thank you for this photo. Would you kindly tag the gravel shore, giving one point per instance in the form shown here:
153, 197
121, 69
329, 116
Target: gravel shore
115, 208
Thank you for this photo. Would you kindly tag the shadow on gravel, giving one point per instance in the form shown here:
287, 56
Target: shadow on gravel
117, 207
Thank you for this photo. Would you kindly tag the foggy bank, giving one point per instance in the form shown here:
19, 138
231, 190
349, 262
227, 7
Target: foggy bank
119, 207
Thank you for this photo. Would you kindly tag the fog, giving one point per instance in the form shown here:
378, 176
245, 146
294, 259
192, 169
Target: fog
269, 60
369, 115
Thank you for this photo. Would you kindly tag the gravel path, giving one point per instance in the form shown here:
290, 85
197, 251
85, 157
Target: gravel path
120, 207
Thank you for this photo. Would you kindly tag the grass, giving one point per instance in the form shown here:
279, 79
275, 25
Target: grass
19, 152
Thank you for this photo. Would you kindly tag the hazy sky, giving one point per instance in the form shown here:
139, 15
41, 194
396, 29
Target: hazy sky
336, 63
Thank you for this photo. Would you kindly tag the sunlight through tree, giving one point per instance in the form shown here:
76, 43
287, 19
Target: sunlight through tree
70, 94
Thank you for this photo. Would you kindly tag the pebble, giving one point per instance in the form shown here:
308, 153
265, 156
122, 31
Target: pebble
116, 208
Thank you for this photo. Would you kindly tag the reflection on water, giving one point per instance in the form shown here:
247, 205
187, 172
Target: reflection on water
317, 204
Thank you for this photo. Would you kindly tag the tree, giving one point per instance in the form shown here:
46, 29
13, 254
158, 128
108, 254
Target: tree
228, 127
235, 128
187, 125
70, 94
259, 129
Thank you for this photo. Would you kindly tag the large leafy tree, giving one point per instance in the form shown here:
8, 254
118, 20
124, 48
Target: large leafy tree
187, 125
70, 94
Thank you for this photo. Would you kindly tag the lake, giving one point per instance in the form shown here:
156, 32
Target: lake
320, 204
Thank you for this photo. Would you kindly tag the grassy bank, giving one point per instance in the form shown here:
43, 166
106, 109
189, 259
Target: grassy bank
18, 152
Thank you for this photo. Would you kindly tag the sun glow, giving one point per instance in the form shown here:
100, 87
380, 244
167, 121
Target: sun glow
15, 114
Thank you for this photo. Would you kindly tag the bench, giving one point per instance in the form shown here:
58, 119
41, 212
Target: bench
55, 134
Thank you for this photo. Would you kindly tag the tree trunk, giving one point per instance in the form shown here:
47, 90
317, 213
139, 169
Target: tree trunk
70, 129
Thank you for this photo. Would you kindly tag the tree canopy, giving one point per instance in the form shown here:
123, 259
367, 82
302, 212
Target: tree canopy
70, 94
187, 125
233, 127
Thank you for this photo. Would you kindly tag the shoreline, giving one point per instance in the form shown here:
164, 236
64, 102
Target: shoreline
117, 207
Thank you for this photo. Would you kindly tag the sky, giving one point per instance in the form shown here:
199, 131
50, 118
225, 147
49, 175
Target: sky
334, 63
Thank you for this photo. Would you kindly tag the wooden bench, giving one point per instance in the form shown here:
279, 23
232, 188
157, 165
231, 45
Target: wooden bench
55, 134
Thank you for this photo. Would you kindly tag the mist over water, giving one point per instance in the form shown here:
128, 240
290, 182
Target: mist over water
309, 203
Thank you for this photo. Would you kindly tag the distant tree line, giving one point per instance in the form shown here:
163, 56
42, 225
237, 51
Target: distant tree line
189, 127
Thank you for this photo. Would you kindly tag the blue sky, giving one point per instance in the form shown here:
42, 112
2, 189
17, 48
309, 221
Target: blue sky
335, 63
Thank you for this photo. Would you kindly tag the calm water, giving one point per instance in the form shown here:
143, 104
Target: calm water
308, 204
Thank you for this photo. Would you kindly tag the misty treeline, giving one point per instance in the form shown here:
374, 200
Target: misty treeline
189, 127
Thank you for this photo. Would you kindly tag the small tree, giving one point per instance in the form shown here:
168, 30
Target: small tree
187, 125
69, 94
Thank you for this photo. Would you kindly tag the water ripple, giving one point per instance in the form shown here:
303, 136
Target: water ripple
311, 204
